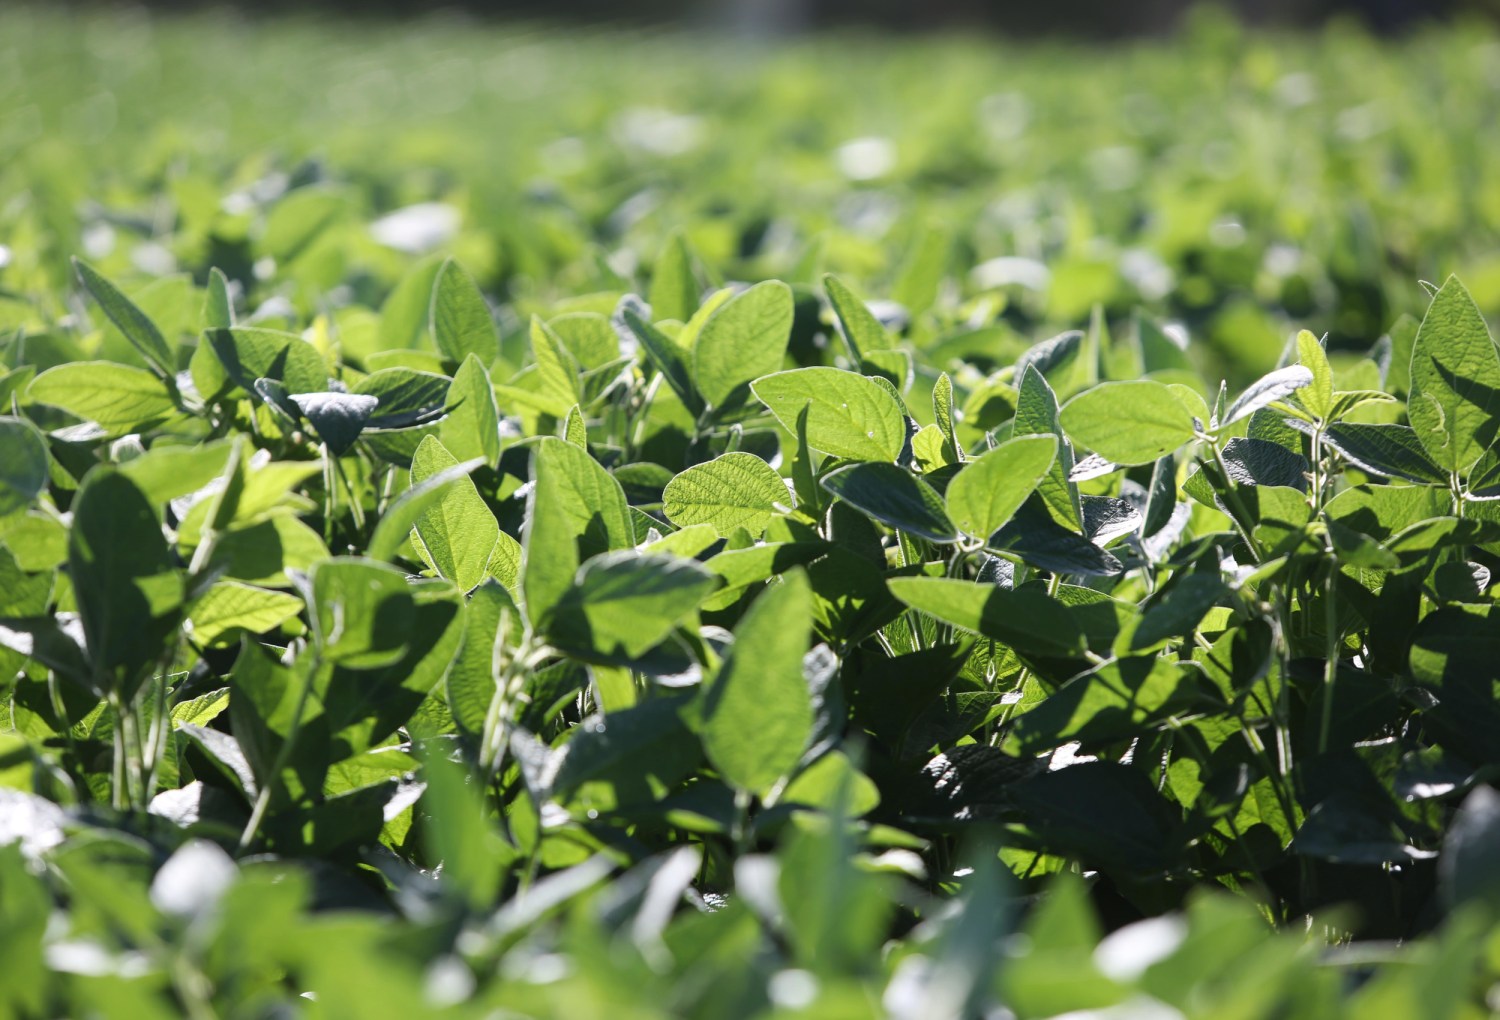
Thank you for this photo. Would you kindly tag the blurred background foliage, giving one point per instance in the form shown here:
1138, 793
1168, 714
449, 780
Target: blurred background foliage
1236, 181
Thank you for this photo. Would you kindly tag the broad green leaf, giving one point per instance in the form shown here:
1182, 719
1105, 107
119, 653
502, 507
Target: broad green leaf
407, 313
862, 330
218, 309
362, 612
1454, 404
737, 490
490, 623
556, 370
23, 464
1394, 451
165, 473
623, 604
849, 415
461, 321
128, 588
1270, 388
1036, 415
942, 412
745, 339
248, 353
1112, 702
822, 783
471, 428
134, 323
663, 353
337, 418
1129, 423
983, 496
575, 511
674, 289
458, 533
895, 497
1317, 395
758, 713
1026, 620
117, 398
230, 607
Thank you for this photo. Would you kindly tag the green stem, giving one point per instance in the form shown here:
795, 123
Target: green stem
284, 752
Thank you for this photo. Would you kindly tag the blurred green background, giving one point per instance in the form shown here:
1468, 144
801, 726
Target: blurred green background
1240, 182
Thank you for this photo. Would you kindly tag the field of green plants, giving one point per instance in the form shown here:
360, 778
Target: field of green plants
503, 522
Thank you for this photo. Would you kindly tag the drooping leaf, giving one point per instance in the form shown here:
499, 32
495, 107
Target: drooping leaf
337, 418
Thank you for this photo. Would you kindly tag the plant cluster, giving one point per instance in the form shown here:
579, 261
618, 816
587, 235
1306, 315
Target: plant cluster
400, 681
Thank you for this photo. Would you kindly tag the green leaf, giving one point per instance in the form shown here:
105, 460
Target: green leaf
942, 412
1393, 451
556, 369
23, 464
1268, 389
461, 321
490, 619
662, 352
758, 713
249, 353
862, 330
458, 533
674, 290
131, 321
1454, 404
117, 398
218, 309
337, 418
471, 428
1036, 415
1025, 619
1129, 423
1317, 395
893, 496
623, 604
575, 511
165, 473
128, 589
1112, 702
988, 491
229, 608
737, 490
745, 339
849, 415
361, 611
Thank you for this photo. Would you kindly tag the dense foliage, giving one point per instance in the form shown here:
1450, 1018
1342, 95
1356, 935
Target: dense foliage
623, 620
